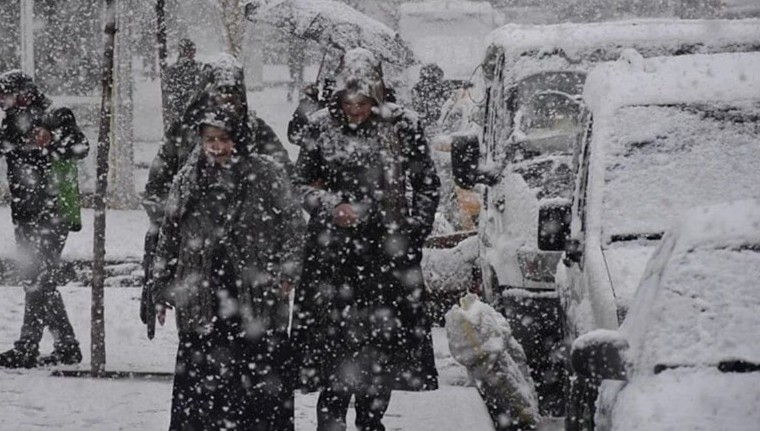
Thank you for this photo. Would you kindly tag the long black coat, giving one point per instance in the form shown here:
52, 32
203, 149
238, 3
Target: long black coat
260, 234
231, 237
359, 315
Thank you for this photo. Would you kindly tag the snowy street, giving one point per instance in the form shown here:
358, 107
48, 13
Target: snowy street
445, 215
34, 400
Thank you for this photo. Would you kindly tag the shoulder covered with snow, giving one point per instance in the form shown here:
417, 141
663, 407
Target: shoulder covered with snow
573, 38
679, 79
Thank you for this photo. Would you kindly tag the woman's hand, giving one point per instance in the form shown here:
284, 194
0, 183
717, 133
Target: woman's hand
41, 137
344, 215
161, 312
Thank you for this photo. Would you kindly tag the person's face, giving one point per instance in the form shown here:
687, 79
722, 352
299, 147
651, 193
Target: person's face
357, 108
217, 145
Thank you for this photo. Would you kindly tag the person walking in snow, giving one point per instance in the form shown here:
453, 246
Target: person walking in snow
36, 141
223, 85
366, 178
429, 94
227, 257
181, 81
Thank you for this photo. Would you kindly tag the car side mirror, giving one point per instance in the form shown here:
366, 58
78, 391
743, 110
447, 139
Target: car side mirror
573, 252
465, 159
598, 355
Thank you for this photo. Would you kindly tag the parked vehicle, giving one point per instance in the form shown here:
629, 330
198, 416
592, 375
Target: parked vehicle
666, 134
535, 119
687, 355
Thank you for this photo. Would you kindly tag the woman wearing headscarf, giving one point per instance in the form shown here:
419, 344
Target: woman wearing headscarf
366, 178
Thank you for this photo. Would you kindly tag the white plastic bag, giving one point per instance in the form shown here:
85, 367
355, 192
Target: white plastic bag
480, 338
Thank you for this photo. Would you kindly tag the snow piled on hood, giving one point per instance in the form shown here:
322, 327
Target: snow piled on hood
226, 69
360, 72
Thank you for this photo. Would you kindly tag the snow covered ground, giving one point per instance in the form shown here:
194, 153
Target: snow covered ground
34, 400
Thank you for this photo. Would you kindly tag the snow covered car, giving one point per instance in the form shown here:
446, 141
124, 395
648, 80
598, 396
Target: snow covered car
667, 134
687, 355
535, 120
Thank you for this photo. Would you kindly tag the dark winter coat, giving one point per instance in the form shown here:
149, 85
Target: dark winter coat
256, 235
32, 184
182, 137
360, 307
182, 81
232, 235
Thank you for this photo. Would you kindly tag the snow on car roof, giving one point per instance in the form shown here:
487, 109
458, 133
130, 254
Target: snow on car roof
574, 39
443, 8
693, 78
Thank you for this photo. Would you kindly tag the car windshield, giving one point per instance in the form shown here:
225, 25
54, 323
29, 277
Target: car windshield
662, 160
704, 312
548, 105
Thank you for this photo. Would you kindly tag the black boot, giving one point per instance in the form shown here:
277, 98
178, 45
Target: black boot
17, 358
67, 355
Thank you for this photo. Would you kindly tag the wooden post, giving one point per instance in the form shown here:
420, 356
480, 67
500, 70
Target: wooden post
98, 331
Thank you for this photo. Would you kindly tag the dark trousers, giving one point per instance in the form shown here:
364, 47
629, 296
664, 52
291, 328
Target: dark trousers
39, 246
370, 406
220, 382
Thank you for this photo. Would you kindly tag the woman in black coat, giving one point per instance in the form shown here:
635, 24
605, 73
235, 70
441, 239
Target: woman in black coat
228, 254
370, 187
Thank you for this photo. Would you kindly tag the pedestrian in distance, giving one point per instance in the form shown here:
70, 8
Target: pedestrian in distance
40, 146
227, 257
182, 80
429, 94
366, 178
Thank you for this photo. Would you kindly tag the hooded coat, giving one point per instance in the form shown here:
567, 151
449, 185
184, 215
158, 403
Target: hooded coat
182, 136
259, 232
231, 237
359, 313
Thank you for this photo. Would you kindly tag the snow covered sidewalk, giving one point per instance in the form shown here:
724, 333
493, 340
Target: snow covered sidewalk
125, 235
33, 400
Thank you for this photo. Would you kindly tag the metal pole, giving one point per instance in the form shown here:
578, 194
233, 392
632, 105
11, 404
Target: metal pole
98, 330
27, 37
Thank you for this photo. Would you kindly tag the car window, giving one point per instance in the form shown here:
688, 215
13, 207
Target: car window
662, 160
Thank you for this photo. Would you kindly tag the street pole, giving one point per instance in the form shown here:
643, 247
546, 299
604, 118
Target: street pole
98, 330
161, 43
27, 37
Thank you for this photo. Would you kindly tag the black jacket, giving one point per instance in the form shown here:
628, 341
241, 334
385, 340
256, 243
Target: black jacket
257, 233
30, 178
361, 301
182, 81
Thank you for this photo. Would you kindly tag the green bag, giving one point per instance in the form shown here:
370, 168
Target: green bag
66, 175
